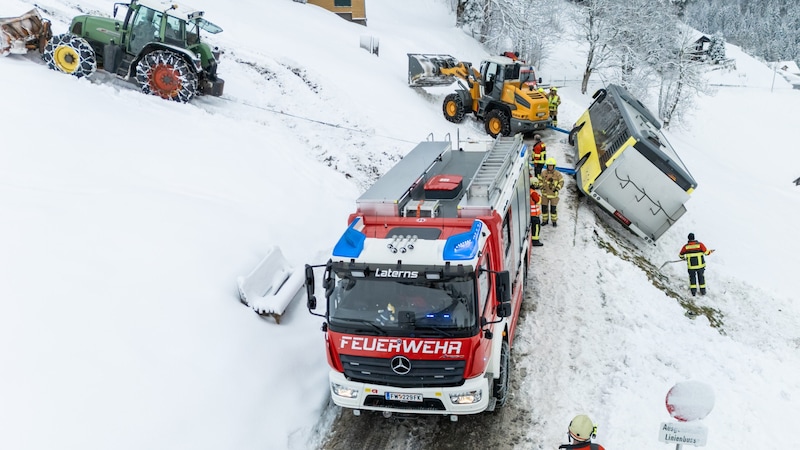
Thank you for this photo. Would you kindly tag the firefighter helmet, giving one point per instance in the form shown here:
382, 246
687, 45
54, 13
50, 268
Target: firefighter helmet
537, 137
553, 88
581, 428
550, 162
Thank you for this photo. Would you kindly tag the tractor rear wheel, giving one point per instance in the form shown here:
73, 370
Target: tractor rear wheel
167, 75
70, 54
453, 108
496, 123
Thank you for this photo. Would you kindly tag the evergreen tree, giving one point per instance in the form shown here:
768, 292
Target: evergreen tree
716, 50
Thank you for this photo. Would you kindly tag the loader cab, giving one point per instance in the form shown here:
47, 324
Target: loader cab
493, 76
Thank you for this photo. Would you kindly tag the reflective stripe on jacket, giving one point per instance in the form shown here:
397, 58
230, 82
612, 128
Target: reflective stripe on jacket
536, 200
694, 253
539, 153
554, 101
551, 181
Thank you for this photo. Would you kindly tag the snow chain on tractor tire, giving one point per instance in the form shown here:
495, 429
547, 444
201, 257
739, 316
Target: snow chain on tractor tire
167, 75
70, 54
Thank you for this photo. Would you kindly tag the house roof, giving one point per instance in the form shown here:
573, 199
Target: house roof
788, 67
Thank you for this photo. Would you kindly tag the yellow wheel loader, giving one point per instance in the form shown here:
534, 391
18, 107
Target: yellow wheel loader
500, 93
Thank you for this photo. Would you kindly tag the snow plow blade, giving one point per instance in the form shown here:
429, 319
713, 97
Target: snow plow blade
426, 70
26, 32
271, 286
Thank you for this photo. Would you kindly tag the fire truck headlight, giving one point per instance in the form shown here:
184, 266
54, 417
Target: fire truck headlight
343, 391
465, 398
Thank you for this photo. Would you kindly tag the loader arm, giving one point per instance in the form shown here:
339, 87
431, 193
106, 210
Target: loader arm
438, 70
464, 71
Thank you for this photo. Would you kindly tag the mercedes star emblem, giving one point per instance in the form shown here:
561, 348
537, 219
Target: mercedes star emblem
401, 365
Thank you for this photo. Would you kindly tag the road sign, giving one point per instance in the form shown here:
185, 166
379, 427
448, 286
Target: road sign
690, 400
688, 433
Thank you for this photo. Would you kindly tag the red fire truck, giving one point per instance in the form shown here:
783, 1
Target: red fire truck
424, 287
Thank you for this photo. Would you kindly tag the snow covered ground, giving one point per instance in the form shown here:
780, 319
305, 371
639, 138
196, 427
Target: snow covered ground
126, 220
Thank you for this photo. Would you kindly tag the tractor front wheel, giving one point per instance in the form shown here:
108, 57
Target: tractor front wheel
70, 54
453, 108
497, 123
166, 75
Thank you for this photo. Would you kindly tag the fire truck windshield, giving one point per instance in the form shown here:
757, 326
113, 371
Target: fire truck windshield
403, 306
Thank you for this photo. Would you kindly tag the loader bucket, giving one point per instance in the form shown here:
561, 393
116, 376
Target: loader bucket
426, 70
26, 32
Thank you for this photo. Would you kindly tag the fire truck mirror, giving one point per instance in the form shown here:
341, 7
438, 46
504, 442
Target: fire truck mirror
312, 303
309, 281
504, 310
502, 282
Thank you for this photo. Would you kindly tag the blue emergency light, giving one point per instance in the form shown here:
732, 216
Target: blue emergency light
463, 246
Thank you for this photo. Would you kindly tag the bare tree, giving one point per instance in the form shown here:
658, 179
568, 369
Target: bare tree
682, 79
595, 27
529, 27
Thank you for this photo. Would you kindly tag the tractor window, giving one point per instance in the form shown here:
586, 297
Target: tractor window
173, 32
145, 28
192, 33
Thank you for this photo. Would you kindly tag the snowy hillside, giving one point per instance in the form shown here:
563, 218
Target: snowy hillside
128, 218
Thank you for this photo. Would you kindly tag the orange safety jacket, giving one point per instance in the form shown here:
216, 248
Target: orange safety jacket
694, 252
536, 200
539, 153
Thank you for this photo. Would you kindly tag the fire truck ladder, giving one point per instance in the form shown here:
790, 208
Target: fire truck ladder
494, 167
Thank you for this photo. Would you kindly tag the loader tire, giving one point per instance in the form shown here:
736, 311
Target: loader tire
70, 54
496, 123
167, 75
453, 108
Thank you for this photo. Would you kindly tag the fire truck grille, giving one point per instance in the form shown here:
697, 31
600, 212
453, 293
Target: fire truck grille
422, 373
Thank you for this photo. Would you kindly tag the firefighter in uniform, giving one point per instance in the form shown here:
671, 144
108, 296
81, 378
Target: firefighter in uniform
551, 181
538, 154
536, 211
694, 253
553, 101
581, 431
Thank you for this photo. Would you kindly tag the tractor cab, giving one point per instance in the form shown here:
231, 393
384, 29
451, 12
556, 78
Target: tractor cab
168, 23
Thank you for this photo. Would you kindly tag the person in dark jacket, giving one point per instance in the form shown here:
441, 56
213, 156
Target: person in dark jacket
694, 253
581, 431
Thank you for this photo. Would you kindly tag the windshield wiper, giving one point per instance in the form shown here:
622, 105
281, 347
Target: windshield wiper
362, 321
436, 329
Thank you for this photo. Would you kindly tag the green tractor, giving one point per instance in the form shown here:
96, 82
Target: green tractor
157, 46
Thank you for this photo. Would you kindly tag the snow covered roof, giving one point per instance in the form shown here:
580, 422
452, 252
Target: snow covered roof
788, 67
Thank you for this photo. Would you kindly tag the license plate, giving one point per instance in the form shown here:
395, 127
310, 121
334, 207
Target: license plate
403, 397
